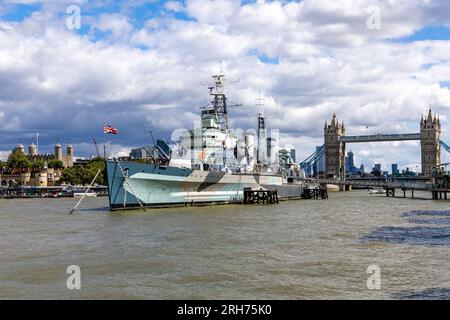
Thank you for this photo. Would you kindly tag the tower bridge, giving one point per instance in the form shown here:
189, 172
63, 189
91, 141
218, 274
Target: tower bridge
335, 141
435, 176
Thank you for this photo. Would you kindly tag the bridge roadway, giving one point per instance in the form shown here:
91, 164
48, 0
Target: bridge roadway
380, 137
390, 183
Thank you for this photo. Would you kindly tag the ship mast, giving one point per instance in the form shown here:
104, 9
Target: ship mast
219, 101
261, 155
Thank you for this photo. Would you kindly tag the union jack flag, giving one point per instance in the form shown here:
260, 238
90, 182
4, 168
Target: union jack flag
110, 129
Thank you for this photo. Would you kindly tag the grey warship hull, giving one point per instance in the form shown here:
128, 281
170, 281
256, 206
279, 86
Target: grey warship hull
132, 184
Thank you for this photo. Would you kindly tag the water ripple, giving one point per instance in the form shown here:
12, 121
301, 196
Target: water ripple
427, 294
414, 213
417, 235
439, 221
433, 236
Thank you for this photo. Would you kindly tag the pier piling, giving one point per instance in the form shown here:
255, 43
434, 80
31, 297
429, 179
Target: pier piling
390, 192
317, 193
260, 196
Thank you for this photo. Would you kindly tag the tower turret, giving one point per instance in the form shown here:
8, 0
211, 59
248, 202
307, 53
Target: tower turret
430, 115
32, 149
333, 121
69, 156
21, 148
70, 150
58, 152
334, 149
430, 132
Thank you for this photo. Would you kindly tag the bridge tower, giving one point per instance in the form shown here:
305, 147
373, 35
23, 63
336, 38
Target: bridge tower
430, 133
334, 149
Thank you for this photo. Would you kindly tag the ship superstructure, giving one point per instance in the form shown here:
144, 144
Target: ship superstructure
211, 144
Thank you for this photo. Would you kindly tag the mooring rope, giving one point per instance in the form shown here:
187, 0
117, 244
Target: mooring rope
129, 185
85, 193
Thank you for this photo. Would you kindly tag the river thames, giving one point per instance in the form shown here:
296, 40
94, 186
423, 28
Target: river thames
304, 249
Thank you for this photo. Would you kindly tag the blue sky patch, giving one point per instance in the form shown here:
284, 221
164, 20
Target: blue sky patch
445, 84
18, 12
264, 58
428, 33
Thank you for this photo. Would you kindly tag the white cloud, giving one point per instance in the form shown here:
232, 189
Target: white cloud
173, 6
4, 155
117, 24
212, 11
55, 80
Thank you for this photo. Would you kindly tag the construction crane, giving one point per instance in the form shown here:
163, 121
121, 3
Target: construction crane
158, 149
96, 147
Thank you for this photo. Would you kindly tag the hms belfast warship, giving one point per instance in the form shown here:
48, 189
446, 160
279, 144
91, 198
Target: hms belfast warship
207, 165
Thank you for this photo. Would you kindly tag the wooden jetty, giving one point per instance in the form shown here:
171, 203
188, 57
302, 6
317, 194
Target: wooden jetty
260, 196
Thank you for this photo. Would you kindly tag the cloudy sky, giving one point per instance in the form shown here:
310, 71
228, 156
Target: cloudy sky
142, 65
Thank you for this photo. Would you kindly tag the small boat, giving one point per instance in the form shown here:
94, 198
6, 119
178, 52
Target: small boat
71, 193
377, 191
81, 193
332, 188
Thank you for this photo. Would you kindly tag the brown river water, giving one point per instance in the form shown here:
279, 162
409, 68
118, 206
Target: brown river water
304, 249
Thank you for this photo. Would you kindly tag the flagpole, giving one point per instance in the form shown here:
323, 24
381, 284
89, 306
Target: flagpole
104, 141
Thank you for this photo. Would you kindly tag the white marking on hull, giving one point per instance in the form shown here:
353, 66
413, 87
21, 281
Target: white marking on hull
205, 193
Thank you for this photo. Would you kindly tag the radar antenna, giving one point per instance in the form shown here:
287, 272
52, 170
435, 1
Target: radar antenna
219, 102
